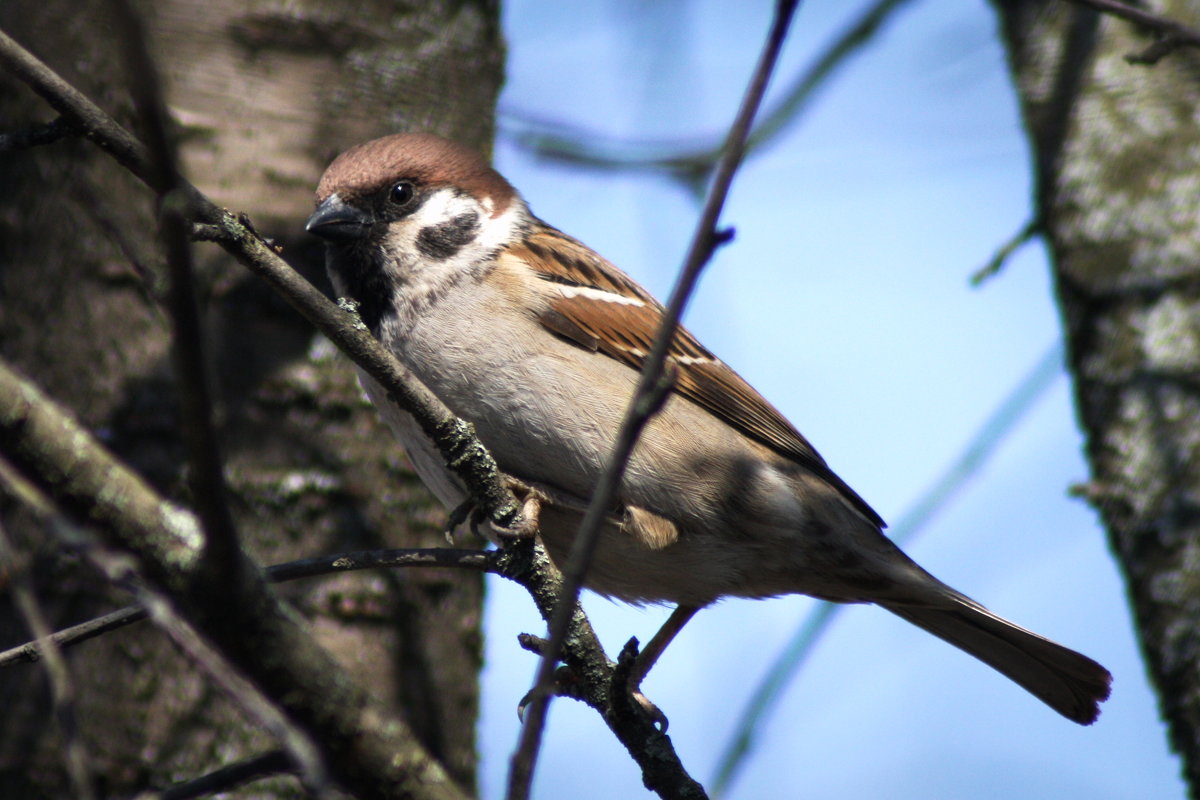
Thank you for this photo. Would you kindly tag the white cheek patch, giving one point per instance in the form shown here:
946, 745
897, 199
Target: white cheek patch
441, 207
445, 205
401, 245
445, 241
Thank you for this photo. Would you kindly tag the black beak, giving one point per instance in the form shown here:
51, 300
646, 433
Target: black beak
338, 222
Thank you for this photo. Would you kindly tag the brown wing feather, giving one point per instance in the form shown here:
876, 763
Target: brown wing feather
625, 331
558, 257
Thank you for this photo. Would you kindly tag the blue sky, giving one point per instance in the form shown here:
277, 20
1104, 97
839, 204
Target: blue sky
845, 300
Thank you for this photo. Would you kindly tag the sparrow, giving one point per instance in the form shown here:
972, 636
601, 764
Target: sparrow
538, 341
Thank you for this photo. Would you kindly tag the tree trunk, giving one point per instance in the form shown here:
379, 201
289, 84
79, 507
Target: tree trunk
1118, 153
265, 94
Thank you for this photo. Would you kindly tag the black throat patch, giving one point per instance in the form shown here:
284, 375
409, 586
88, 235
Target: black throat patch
441, 242
363, 281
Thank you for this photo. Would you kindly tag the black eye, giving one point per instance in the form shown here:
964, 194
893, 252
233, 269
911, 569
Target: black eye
401, 193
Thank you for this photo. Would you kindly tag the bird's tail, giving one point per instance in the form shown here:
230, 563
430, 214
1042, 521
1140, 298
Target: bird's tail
1069, 682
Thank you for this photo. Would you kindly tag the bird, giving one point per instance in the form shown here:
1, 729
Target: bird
537, 341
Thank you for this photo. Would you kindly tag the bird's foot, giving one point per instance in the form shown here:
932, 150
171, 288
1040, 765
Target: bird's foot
526, 524
627, 684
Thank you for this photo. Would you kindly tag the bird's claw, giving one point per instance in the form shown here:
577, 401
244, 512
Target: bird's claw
629, 675
565, 684
526, 524
649, 709
457, 517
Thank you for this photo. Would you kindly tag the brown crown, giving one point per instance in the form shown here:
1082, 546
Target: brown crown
425, 159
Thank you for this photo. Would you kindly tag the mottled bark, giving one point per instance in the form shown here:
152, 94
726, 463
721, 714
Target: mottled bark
265, 93
1117, 148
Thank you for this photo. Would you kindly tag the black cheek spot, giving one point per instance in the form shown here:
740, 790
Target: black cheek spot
441, 242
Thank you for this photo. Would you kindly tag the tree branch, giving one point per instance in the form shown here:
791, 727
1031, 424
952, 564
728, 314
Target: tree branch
1171, 34
302, 750
687, 159
76, 634
279, 573
228, 777
58, 458
206, 473
62, 688
373, 753
167, 536
599, 685
455, 438
37, 136
1028, 231
77, 109
652, 388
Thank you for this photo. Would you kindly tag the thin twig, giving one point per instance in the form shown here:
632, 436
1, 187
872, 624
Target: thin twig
1171, 33
645, 402
455, 439
357, 759
262, 638
662, 772
482, 560
265, 765
292, 570
76, 634
800, 93
205, 465
692, 159
1005, 251
62, 688
301, 749
38, 136
123, 571
76, 108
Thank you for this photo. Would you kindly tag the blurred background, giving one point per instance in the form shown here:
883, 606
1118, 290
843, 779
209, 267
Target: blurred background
845, 299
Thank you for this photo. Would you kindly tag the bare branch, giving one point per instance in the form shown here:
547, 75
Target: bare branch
301, 749
165, 535
690, 160
483, 560
373, 753
62, 688
292, 570
454, 437
38, 136
1171, 34
206, 467
532, 569
123, 571
76, 108
598, 684
1005, 251
653, 385
76, 634
228, 777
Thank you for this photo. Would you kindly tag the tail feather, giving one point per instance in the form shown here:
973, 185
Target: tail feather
1069, 682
